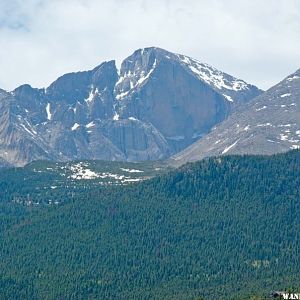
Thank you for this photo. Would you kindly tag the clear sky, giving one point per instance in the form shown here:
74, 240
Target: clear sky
255, 40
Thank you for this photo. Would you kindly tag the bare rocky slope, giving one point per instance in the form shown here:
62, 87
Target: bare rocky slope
269, 124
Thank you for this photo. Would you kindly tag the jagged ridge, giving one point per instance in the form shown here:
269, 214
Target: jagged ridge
156, 105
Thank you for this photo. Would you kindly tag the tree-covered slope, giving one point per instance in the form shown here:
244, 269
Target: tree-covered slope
51, 183
225, 228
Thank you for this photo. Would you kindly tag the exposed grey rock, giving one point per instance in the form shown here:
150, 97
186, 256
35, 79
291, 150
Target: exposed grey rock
269, 124
156, 105
184, 99
137, 140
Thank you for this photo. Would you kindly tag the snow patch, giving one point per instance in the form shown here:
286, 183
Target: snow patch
131, 170
285, 95
283, 137
132, 180
293, 78
144, 78
213, 76
89, 125
228, 98
31, 132
261, 108
265, 125
229, 147
135, 80
75, 126
132, 119
295, 147
285, 125
80, 171
48, 111
271, 141
116, 117
122, 95
92, 95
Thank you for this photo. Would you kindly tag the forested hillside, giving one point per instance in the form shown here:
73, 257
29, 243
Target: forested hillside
51, 183
224, 228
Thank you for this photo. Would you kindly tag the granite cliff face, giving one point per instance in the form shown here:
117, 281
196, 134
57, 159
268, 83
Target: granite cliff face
267, 125
156, 105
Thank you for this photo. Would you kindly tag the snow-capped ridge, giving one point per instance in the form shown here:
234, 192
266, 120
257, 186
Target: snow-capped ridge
212, 76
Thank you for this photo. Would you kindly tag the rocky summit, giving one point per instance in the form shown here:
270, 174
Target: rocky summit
269, 124
156, 105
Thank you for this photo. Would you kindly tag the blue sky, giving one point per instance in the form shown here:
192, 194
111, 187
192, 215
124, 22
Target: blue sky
255, 40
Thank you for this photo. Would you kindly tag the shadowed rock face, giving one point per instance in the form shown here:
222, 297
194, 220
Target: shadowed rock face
267, 125
156, 105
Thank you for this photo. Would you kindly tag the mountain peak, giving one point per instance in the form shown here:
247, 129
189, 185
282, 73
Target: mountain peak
138, 67
135, 71
23, 88
158, 104
105, 64
156, 50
